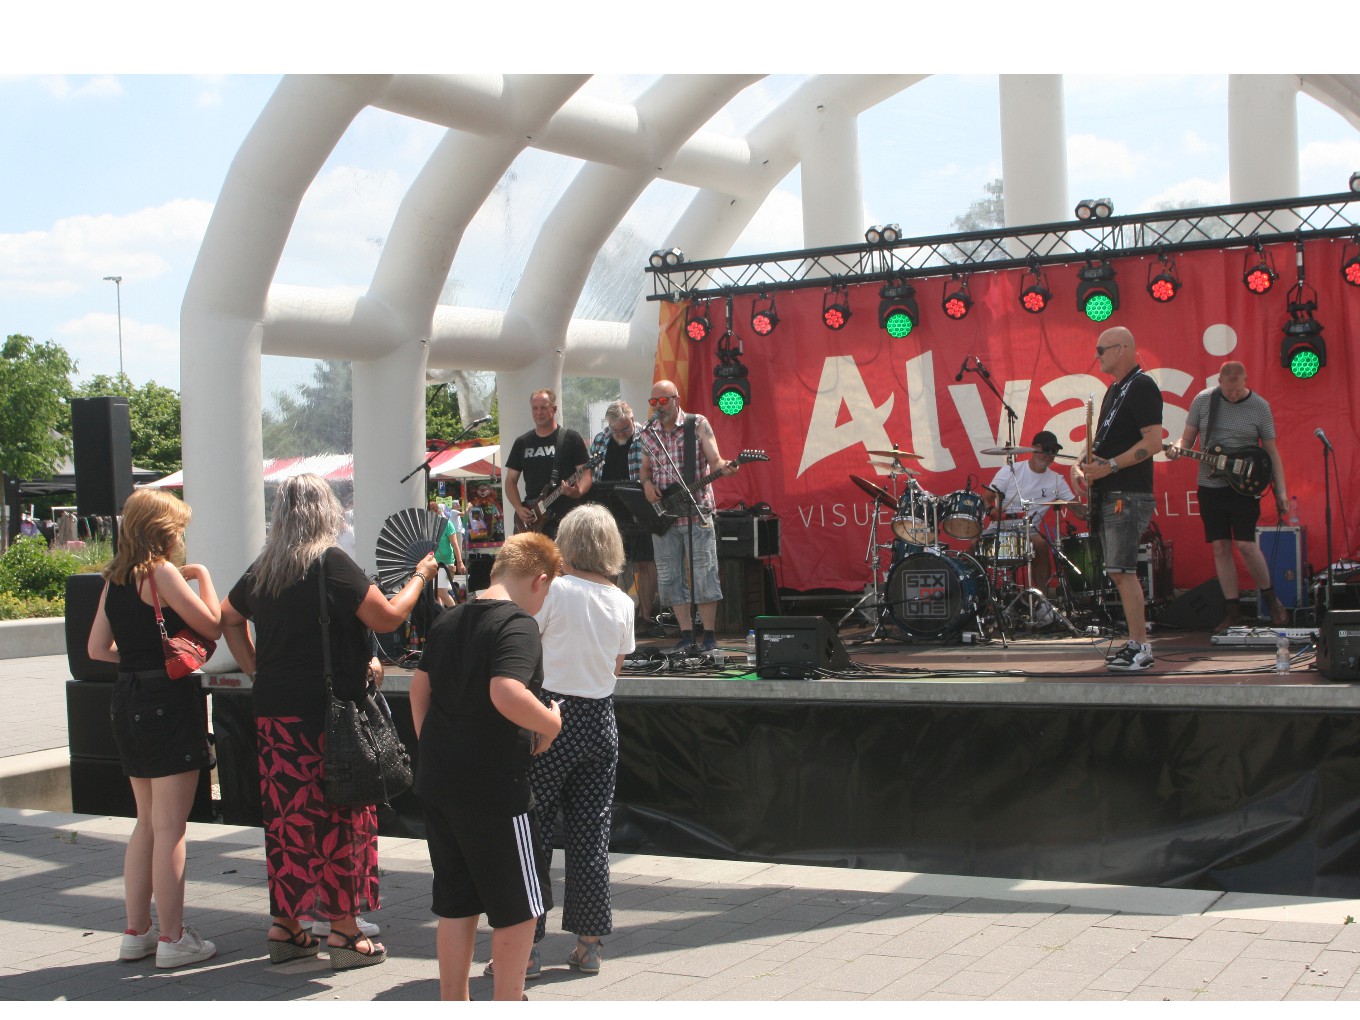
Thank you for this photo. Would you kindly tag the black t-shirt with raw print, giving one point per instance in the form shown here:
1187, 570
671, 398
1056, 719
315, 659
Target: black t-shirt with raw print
290, 677
472, 758
537, 457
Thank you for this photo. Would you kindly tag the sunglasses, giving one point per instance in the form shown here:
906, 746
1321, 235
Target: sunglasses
659, 401
1101, 350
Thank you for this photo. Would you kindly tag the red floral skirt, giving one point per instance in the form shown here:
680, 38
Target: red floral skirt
322, 860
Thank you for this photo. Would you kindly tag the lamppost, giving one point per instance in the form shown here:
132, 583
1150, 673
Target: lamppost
117, 282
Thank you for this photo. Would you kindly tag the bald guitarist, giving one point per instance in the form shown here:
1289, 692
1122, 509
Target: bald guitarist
1230, 421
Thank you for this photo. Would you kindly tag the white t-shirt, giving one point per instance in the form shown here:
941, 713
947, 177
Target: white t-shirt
1034, 486
585, 627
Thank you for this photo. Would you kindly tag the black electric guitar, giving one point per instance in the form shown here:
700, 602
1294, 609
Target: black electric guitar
1247, 470
540, 507
674, 501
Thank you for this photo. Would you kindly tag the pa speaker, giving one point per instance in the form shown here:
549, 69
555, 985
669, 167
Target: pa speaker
82, 602
797, 647
1198, 609
102, 434
1338, 647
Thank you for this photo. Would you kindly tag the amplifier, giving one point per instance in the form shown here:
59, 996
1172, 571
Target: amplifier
797, 647
746, 536
1338, 647
1286, 553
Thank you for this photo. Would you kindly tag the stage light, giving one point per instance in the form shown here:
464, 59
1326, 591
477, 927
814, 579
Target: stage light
889, 233
897, 311
1259, 276
1164, 287
1355, 181
731, 387
835, 307
1303, 351
764, 316
666, 257
1035, 298
1350, 264
697, 322
1097, 293
957, 302
1094, 209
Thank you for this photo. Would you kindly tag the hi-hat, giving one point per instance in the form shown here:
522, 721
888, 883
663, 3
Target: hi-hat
876, 491
1008, 451
896, 453
1059, 502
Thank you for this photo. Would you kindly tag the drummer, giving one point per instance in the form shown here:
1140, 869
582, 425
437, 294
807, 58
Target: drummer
1037, 483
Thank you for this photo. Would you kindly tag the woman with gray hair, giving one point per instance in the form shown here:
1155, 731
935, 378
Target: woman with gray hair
321, 859
587, 628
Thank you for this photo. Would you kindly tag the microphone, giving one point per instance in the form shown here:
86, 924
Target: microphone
1325, 442
978, 366
478, 423
959, 377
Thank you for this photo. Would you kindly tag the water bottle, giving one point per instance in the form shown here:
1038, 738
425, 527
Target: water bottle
1282, 652
751, 649
1293, 511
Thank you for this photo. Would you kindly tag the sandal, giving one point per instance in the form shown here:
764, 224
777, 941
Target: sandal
301, 944
585, 957
349, 956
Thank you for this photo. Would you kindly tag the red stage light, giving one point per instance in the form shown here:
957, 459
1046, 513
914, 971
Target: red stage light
697, 324
835, 307
764, 316
1035, 298
957, 302
1259, 276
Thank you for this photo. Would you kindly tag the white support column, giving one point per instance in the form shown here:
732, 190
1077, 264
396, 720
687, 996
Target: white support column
1034, 149
833, 194
1263, 137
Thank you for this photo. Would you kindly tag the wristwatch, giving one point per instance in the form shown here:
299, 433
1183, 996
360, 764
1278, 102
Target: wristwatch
1112, 464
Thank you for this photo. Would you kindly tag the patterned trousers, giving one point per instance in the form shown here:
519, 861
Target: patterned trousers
576, 774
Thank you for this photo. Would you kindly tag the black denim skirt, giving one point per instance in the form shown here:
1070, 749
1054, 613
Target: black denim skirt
160, 725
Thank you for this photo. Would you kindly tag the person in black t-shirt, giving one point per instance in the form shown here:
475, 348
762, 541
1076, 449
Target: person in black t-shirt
322, 860
474, 703
546, 455
1119, 479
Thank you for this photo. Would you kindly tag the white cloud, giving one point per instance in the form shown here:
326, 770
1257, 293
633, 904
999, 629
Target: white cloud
1192, 142
1198, 190
1099, 158
1340, 156
66, 87
150, 350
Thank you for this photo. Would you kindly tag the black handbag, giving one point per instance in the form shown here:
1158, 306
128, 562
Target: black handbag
364, 763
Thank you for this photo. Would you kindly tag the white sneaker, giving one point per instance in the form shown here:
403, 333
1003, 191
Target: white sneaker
191, 948
1132, 658
367, 928
138, 947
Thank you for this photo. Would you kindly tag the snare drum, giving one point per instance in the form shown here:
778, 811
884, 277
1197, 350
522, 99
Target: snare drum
961, 514
934, 596
915, 519
1008, 547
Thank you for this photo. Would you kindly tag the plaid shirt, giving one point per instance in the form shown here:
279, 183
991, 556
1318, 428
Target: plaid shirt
599, 446
674, 444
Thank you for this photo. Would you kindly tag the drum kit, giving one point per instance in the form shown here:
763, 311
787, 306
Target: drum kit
927, 591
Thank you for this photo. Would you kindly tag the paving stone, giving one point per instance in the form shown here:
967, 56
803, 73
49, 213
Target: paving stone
1139, 922
1118, 979
1220, 946
1187, 927
973, 982
1250, 924
1317, 993
1332, 968
986, 941
1261, 973
1300, 931
1035, 986
1271, 949
1146, 993
1347, 939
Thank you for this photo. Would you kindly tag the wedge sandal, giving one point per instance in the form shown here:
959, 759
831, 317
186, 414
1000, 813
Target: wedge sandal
349, 956
300, 946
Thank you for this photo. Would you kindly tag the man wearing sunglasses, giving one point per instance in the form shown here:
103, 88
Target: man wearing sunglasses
679, 443
1119, 480
546, 456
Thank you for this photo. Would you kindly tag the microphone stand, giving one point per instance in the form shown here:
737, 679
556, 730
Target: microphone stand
1327, 503
425, 465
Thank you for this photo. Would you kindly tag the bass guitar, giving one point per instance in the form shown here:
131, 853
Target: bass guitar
1247, 470
674, 502
540, 507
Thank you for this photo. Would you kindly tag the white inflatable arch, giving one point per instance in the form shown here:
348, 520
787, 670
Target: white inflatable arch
235, 310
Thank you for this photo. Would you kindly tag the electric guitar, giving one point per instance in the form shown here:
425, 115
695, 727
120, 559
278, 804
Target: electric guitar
675, 503
1247, 470
539, 507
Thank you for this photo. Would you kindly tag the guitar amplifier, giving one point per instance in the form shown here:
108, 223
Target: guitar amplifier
746, 536
1286, 554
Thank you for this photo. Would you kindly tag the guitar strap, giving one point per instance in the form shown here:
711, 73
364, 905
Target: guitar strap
691, 455
1209, 426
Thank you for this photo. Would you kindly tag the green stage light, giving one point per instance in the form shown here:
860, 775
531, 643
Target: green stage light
1097, 293
897, 311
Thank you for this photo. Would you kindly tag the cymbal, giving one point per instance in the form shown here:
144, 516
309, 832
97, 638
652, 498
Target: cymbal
1059, 502
877, 492
896, 453
1007, 451
893, 467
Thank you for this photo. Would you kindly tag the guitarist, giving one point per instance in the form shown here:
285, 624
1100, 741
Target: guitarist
545, 455
1232, 416
684, 443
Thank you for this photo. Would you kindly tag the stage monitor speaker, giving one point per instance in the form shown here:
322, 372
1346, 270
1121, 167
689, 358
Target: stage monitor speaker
797, 647
1198, 609
102, 434
1338, 647
82, 602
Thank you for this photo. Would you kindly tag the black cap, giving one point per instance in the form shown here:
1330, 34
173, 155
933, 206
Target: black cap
1046, 441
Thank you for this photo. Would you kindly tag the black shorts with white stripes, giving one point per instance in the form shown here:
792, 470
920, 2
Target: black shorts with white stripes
487, 865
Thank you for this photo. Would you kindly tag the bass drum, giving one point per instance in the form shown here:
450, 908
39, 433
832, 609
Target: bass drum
933, 596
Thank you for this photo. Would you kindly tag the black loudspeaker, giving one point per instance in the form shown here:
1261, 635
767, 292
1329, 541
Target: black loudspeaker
478, 571
1198, 609
82, 601
748, 590
796, 647
1338, 647
746, 535
102, 434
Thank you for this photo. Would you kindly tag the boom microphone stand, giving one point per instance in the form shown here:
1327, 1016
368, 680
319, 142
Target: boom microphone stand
425, 465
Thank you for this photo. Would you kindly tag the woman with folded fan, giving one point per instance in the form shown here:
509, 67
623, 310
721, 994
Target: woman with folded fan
322, 860
159, 724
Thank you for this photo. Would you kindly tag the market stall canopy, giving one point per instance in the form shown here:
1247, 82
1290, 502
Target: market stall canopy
469, 462
334, 467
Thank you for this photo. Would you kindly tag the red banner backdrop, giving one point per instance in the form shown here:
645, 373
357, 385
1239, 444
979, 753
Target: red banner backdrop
821, 399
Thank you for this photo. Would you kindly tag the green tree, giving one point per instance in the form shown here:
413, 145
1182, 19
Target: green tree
153, 412
318, 418
988, 211
34, 385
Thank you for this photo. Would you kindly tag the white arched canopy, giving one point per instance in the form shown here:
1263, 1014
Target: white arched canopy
397, 330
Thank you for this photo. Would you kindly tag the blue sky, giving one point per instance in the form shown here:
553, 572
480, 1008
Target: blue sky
117, 173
